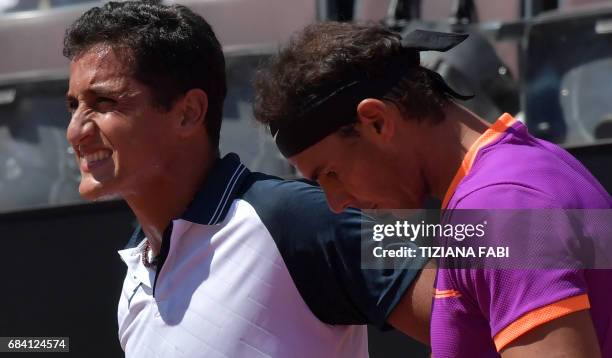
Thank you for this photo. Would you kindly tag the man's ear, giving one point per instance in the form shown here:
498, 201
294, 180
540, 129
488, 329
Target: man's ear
195, 106
375, 119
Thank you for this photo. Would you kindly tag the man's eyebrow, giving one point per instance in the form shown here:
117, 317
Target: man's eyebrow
100, 91
103, 90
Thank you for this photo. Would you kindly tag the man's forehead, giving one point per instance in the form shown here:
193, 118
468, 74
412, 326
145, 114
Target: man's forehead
101, 65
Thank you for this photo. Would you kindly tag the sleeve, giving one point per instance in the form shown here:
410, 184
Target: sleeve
524, 300
516, 300
322, 252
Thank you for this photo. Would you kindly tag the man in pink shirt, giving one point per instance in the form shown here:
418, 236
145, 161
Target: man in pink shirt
352, 108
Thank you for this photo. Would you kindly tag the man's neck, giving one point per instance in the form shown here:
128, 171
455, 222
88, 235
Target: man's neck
159, 202
453, 138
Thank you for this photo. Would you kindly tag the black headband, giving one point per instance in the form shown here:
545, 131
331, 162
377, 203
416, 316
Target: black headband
331, 109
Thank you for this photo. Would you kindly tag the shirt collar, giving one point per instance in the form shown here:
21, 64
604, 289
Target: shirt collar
492, 134
221, 187
213, 200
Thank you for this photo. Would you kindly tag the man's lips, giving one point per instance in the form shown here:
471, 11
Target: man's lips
94, 159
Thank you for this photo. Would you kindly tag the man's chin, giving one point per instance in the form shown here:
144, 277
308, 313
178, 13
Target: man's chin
96, 192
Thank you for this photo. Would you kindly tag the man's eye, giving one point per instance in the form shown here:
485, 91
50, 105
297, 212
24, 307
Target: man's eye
104, 104
105, 100
72, 105
331, 174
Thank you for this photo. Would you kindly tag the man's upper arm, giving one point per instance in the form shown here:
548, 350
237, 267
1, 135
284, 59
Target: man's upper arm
412, 315
322, 251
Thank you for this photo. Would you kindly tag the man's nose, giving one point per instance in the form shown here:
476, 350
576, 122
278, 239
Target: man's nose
79, 128
337, 199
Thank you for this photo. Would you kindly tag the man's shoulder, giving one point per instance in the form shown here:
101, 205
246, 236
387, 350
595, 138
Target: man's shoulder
321, 250
294, 198
540, 172
526, 163
268, 188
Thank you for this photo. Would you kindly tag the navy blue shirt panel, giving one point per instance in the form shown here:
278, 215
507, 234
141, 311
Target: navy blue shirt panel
322, 251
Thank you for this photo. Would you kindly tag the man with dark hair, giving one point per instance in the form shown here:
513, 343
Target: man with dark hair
226, 263
352, 108
173, 51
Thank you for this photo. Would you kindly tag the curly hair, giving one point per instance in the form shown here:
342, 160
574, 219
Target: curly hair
325, 54
172, 50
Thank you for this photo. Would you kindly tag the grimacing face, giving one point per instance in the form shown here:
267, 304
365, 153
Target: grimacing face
355, 172
120, 138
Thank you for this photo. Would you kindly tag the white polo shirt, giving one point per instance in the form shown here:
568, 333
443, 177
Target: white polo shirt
255, 267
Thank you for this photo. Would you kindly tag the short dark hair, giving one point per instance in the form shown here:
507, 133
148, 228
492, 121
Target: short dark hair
172, 48
327, 53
